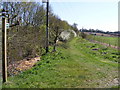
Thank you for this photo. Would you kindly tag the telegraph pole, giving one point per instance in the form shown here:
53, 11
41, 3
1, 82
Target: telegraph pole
5, 26
47, 26
4, 47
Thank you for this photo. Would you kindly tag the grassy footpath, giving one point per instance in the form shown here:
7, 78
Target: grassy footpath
75, 65
103, 39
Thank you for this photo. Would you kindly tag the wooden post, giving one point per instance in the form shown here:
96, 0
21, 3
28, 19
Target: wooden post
4, 50
47, 26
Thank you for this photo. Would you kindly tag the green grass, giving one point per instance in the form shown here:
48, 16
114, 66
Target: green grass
103, 39
74, 65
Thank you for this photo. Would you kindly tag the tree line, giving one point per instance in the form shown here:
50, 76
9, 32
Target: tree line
27, 33
99, 31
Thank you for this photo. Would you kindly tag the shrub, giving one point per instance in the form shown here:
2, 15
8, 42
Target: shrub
26, 42
83, 35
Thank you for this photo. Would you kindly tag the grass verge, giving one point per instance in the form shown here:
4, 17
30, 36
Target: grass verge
79, 65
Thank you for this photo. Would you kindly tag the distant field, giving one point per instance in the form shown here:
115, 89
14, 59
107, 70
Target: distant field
103, 39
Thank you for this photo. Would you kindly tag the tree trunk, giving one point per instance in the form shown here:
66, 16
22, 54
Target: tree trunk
54, 47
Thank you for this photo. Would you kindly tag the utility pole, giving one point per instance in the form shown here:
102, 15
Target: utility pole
47, 24
4, 47
5, 26
47, 27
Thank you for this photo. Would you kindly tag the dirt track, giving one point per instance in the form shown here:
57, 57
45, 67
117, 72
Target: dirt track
105, 44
